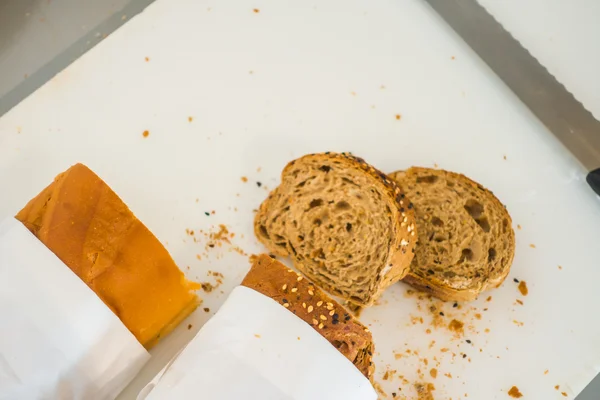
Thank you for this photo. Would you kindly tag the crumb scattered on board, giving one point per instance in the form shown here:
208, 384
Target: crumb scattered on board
206, 309
244, 179
523, 288
215, 239
190, 119
147, 59
532, 246
256, 10
424, 391
515, 393
398, 117
145, 134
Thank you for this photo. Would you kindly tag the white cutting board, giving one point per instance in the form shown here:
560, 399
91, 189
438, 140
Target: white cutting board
291, 78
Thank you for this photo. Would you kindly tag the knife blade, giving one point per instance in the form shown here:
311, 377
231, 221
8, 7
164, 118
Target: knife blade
533, 84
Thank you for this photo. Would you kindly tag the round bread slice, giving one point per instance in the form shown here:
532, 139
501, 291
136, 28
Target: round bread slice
346, 225
465, 242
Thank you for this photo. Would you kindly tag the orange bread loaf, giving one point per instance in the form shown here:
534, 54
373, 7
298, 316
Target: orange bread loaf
81, 220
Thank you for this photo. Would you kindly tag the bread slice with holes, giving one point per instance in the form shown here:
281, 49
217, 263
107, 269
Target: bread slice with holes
301, 297
346, 225
465, 242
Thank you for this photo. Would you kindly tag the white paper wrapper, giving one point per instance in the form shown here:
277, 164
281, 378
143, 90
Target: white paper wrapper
58, 340
253, 348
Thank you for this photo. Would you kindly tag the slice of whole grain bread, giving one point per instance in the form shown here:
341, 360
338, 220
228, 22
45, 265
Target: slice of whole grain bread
346, 225
465, 242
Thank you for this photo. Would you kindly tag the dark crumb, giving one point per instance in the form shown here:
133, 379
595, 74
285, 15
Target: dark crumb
455, 305
464, 356
272, 256
189, 327
393, 394
441, 313
258, 184
211, 245
206, 309
207, 213
410, 205
468, 341
516, 280
207, 287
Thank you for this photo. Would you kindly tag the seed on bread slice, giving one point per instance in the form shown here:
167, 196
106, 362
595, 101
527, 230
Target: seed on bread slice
465, 242
346, 225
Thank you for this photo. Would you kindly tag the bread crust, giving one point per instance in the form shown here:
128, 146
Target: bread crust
437, 287
303, 298
81, 220
401, 249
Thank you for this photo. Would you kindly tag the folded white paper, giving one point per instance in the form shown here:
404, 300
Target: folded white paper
254, 348
58, 340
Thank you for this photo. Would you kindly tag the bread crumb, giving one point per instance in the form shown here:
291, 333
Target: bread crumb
147, 59
519, 302
256, 10
433, 373
515, 393
532, 246
523, 288
256, 335
145, 134
546, 372
189, 327
560, 267
398, 117
190, 119
557, 387
298, 337
518, 227
244, 179
207, 287
489, 298
564, 394
424, 391
453, 58
518, 323
504, 157
353, 93
456, 326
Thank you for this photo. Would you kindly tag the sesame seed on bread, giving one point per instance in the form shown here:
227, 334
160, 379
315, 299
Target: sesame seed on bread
300, 296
